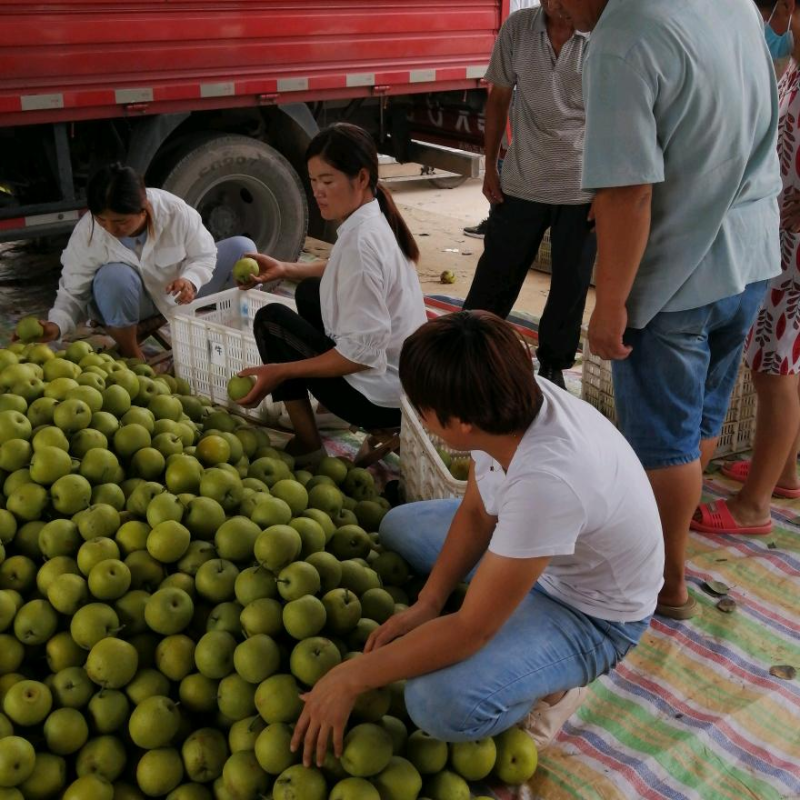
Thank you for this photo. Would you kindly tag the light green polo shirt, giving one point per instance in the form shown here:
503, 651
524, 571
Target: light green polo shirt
681, 95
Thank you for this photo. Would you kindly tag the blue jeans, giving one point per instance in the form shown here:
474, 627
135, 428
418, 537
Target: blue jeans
674, 388
121, 299
546, 646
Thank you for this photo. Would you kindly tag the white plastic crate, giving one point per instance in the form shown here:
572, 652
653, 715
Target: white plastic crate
423, 473
738, 429
212, 340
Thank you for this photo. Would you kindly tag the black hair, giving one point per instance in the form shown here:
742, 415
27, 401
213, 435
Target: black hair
471, 366
350, 149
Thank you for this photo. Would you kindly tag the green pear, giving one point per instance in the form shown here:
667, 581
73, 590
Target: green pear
400, 780
256, 658
304, 617
89, 787
262, 616
27, 703
109, 710
354, 789
169, 611
29, 329
312, 658
109, 579
517, 757
215, 580
239, 387
204, 755
473, 761
159, 771
299, 781
235, 539
65, 731
204, 517
198, 693
447, 785
427, 754
236, 697
278, 699
93, 622
244, 733
154, 723
112, 663
270, 511
243, 777
254, 583
343, 610
367, 750
329, 569
168, 541
71, 494
17, 760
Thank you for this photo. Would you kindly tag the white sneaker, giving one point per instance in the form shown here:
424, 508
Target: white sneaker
545, 721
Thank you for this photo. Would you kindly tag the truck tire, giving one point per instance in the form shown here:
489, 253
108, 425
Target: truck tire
242, 187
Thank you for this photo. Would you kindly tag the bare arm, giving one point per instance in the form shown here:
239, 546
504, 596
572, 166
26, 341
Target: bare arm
497, 589
497, 105
270, 269
330, 364
622, 218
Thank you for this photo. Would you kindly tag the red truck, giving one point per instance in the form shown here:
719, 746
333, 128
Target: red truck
216, 100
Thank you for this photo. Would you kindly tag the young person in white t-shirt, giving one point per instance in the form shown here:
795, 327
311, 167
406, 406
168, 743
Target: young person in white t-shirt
558, 535
354, 310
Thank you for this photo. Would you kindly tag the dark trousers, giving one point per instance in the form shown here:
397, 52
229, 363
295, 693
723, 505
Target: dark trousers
283, 335
515, 231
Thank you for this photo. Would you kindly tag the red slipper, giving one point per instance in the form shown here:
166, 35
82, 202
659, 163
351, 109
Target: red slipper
739, 470
716, 518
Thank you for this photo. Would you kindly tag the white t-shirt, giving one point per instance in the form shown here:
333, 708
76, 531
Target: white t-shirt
371, 302
576, 492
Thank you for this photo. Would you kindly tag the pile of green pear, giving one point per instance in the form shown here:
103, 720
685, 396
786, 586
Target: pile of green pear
170, 585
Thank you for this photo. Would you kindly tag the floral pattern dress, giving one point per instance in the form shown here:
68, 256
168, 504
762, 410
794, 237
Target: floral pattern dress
773, 343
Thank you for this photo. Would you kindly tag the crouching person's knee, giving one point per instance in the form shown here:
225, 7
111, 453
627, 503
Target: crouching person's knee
440, 710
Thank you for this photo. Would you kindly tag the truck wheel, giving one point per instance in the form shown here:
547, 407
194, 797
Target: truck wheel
243, 187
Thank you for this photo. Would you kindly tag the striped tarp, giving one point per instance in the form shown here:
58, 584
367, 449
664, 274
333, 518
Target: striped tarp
693, 711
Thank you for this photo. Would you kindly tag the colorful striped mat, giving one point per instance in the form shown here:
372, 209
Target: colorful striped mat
693, 711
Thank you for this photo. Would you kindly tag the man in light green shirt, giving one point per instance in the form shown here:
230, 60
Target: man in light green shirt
681, 122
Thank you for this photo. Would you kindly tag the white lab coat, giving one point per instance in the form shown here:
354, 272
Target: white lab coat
179, 246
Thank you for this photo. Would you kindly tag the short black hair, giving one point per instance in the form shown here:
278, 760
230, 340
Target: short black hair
471, 366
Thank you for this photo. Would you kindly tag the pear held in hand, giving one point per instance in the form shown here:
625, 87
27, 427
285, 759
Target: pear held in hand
29, 329
245, 269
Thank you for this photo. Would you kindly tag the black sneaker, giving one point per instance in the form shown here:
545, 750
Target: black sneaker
553, 375
478, 231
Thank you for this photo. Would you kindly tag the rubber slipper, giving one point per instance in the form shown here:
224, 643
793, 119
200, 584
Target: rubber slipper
685, 611
716, 518
739, 470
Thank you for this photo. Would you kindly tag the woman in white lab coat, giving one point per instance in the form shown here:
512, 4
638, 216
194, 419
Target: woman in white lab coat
137, 253
354, 311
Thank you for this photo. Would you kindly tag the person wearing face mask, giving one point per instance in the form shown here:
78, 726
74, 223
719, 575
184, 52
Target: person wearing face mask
777, 30
137, 253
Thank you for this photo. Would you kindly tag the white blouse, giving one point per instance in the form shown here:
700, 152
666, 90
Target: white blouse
371, 302
179, 247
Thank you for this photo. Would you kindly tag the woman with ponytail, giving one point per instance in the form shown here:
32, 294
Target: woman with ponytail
354, 311
137, 253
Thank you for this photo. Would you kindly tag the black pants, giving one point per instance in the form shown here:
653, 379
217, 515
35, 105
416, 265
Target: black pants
515, 231
283, 335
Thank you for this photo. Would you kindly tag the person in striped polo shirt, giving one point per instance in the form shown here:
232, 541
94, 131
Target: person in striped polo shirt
537, 59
